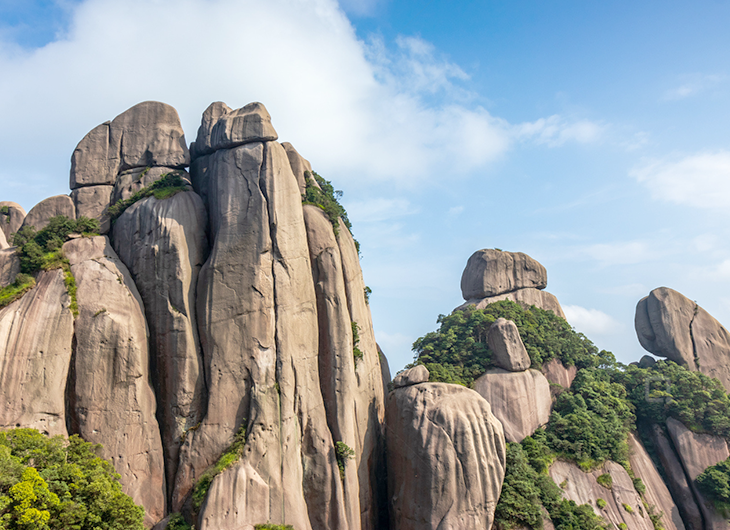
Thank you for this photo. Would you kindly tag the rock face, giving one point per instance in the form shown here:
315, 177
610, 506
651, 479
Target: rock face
505, 342
412, 376
113, 401
670, 325
492, 275
223, 128
559, 374
583, 488
697, 452
36, 335
41, 213
520, 400
446, 458
11, 219
657, 494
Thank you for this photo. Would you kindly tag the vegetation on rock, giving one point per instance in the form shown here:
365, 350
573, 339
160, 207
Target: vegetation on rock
714, 483
356, 351
168, 185
343, 453
327, 198
268, 526
14, 291
51, 483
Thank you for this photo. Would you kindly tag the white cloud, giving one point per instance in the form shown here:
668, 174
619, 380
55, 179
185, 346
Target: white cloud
701, 180
591, 321
556, 130
692, 85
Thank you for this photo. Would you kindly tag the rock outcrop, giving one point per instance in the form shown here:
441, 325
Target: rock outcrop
670, 325
41, 213
412, 376
507, 347
492, 275
9, 266
446, 458
520, 400
11, 219
558, 375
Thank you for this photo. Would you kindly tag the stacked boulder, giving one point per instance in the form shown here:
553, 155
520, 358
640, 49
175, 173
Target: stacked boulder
492, 275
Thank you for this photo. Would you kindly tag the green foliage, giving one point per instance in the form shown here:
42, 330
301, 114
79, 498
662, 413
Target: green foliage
605, 480
71, 288
50, 484
268, 526
623, 526
5, 210
639, 485
14, 291
590, 423
177, 522
168, 185
368, 292
601, 503
714, 483
343, 453
356, 351
696, 400
327, 198
627, 507
226, 460
460, 343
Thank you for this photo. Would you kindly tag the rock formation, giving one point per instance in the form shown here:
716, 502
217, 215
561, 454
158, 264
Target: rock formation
9, 266
492, 275
508, 350
670, 325
446, 458
41, 213
11, 219
412, 376
558, 375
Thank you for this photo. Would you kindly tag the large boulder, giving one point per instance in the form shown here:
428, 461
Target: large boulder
670, 325
446, 458
520, 400
36, 339
525, 297
148, 134
113, 401
163, 244
223, 128
41, 213
92, 202
657, 494
583, 488
412, 376
697, 452
506, 345
11, 219
490, 272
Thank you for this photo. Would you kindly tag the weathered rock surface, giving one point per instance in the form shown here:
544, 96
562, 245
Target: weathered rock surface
520, 400
113, 402
236, 497
3, 241
697, 452
92, 202
670, 325
676, 480
491, 272
559, 374
384, 369
163, 243
583, 488
657, 494
525, 297
36, 335
11, 219
446, 458
647, 361
506, 345
299, 165
131, 181
41, 213
9, 266
223, 128
412, 376
148, 134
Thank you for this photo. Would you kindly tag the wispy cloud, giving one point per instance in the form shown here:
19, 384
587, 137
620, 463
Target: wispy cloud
556, 130
379, 209
591, 321
618, 253
701, 180
693, 85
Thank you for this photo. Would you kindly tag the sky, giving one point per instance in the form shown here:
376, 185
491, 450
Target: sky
593, 136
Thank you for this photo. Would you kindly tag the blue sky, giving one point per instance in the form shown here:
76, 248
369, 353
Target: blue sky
591, 135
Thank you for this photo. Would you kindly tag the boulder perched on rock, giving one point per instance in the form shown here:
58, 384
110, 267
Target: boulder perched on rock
11, 219
412, 376
520, 400
670, 325
492, 275
41, 213
223, 128
508, 350
446, 458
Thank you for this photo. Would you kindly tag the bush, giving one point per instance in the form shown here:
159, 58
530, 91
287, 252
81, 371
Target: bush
327, 198
268, 526
168, 185
627, 507
177, 522
356, 351
714, 482
48, 483
605, 480
14, 291
343, 453
601, 503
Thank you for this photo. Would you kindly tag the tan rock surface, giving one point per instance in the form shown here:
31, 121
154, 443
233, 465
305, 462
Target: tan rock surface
583, 488
9, 266
520, 400
491, 272
163, 244
525, 297
131, 181
94, 161
41, 213
12, 221
299, 165
223, 128
657, 494
113, 401
697, 452
3, 241
559, 374
236, 497
506, 345
36, 335
446, 458
412, 376
92, 202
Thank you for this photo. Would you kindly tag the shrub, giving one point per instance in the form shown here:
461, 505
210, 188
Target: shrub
168, 185
639, 485
601, 503
327, 198
51, 483
268, 526
714, 482
605, 480
627, 507
226, 460
622, 526
356, 351
16, 290
177, 522
343, 453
